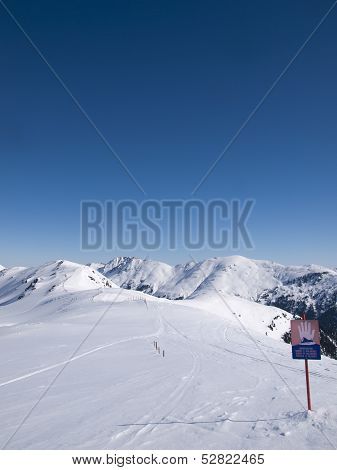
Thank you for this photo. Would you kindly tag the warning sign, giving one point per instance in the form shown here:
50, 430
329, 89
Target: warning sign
305, 339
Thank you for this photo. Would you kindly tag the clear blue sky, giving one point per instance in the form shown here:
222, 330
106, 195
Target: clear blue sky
168, 83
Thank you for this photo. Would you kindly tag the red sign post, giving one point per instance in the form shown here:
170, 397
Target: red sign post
308, 383
305, 342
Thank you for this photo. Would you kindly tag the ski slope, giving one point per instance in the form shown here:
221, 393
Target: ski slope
223, 383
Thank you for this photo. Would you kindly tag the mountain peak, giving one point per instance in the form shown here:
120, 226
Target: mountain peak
60, 276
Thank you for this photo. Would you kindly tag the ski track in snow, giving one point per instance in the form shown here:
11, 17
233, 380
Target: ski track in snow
75, 358
213, 376
161, 412
79, 356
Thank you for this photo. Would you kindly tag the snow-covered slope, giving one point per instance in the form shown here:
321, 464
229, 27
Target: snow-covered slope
134, 273
78, 355
219, 386
233, 275
312, 292
296, 289
1, 267
57, 276
26, 288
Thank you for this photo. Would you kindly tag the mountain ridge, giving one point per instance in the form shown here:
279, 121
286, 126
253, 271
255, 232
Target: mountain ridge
295, 290
18, 283
310, 289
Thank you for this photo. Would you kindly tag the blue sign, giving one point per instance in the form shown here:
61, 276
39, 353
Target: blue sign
312, 351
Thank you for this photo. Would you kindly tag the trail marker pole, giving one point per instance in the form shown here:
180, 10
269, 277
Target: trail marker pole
306, 365
308, 384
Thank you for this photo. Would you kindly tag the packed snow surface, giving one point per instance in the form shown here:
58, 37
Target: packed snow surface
79, 369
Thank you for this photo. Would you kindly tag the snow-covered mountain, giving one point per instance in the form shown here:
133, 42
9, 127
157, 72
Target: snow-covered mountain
315, 294
294, 289
78, 352
134, 273
233, 275
68, 328
57, 276
309, 289
27, 288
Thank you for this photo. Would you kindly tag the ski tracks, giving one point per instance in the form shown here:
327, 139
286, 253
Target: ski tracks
161, 412
81, 356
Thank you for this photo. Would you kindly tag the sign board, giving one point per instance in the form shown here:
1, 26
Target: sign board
305, 339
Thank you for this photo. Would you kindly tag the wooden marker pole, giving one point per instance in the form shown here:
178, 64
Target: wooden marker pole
306, 364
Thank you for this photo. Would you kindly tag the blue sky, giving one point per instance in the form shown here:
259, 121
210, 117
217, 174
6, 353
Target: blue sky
168, 84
